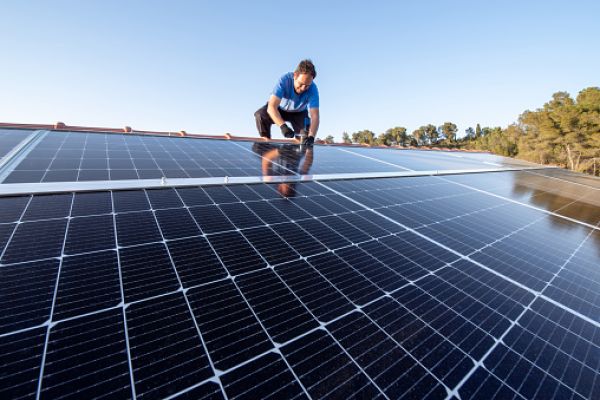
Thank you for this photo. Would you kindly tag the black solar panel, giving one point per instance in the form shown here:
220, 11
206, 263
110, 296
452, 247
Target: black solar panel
76, 156
71, 156
10, 138
423, 287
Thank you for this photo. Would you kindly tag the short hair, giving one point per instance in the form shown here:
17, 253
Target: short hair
306, 67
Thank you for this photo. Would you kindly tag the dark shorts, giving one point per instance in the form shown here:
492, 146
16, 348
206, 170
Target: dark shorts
264, 121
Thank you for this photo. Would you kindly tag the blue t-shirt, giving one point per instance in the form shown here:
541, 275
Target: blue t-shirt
292, 101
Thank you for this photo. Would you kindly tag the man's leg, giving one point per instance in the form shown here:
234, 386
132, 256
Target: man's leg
296, 118
263, 122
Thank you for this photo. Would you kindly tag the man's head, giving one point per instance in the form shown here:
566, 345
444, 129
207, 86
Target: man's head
303, 76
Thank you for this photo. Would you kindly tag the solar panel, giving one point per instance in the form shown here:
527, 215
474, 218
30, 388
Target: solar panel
73, 156
61, 156
422, 287
9, 139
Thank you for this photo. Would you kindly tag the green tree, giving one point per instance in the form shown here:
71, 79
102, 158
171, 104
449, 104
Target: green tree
420, 137
431, 133
448, 129
363, 137
394, 136
329, 139
346, 138
565, 131
412, 141
469, 134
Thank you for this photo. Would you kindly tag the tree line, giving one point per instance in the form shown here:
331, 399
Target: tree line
564, 132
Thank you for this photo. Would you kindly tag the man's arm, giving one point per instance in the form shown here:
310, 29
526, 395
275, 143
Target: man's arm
314, 122
273, 110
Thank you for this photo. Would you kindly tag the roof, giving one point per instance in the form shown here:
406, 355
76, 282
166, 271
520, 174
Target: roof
152, 265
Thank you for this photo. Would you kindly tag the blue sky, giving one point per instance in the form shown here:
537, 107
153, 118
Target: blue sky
206, 66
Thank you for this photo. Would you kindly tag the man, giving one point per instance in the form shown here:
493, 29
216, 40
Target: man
294, 99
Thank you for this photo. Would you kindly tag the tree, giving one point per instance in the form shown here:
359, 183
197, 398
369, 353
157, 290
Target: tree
431, 133
449, 131
412, 141
329, 139
363, 137
394, 136
565, 131
485, 131
346, 138
420, 136
469, 134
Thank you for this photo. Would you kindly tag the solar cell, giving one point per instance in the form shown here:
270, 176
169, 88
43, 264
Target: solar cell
27, 294
73, 368
356, 287
87, 283
93, 203
236, 254
325, 370
421, 287
176, 223
267, 377
167, 354
195, 261
396, 372
282, 315
48, 206
35, 241
273, 248
146, 271
20, 361
315, 292
229, 327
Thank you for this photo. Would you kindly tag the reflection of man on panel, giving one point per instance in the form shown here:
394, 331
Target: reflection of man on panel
277, 160
294, 98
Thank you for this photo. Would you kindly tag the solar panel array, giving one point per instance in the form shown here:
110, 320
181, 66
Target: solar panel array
459, 287
76, 156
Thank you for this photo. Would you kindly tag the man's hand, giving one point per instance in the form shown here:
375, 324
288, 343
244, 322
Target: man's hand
308, 141
286, 131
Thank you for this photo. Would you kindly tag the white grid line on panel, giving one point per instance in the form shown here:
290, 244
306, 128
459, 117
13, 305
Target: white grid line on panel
536, 294
50, 323
469, 259
184, 292
122, 305
516, 321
